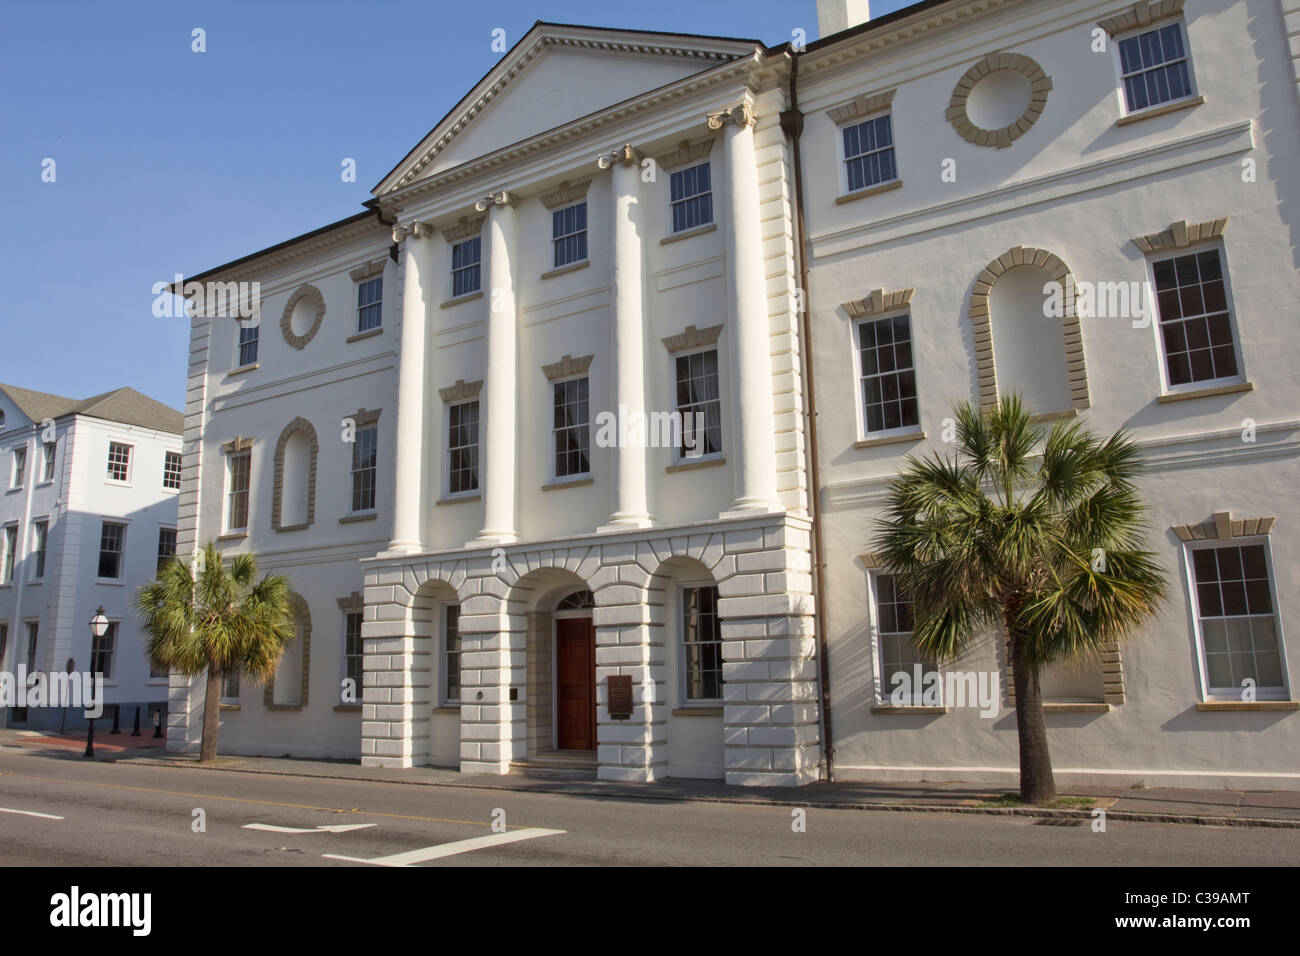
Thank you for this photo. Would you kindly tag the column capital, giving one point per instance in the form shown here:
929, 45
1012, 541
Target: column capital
414, 229
741, 114
499, 198
624, 155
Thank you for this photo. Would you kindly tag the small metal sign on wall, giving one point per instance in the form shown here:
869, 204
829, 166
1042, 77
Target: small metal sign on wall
619, 687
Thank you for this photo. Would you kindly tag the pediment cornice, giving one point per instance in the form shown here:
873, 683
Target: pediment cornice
737, 57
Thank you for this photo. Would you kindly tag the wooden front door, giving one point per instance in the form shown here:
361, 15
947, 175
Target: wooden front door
575, 679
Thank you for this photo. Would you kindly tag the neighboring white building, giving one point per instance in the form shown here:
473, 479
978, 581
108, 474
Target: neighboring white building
87, 511
1162, 170
415, 432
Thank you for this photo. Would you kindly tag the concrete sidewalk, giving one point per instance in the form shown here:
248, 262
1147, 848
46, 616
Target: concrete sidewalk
1266, 808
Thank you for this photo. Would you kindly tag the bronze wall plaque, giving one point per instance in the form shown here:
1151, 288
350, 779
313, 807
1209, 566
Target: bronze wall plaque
619, 687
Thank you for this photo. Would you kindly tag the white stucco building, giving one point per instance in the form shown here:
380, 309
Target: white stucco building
415, 431
87, 512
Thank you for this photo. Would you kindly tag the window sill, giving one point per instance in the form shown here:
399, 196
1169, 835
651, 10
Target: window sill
347, 708
564, 270
34, 581
915, 434
697, 712
457, 499
241, 370
689, 465
292, 527
114, 582
284, 706
117, 484
354, 518
47, 481
233, 536
1055, 416
447, 710
1235, 705
870, 191
1233, 389
689, 233
224, 706
1161, 110
561, 483
909, 710
367, 334
1075, 707
467, 297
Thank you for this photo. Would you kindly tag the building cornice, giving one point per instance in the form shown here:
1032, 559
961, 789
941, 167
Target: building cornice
875, 39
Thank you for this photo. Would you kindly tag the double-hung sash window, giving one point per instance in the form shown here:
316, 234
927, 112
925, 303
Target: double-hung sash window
172, 470
1154, 67
166, 547
101, 652
462, 447
451, 654
691, 197
230, 687
119, 461
887, 374
247, 344
1237, 615
1196, 327
112, 537
7, 559
40, 537
33, 636
571, 428
365, 457
869, 153
894, 650
701, 644
699, 404
370, 303
466, 266
239, 469
19, 468
569, 234
47, 464
353, 652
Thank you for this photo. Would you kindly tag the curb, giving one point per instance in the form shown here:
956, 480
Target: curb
1046, 813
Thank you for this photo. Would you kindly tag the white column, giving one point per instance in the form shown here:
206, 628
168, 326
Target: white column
412, 403
628, 336
749, 344
497, 436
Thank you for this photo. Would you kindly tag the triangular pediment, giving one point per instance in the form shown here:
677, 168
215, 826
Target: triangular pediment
556, 74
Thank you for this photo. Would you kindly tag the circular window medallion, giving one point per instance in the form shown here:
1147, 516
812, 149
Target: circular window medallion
302, 317
998, 99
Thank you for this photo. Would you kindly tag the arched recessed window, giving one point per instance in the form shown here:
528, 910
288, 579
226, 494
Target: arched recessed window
1027, 336
288, 687
293, 495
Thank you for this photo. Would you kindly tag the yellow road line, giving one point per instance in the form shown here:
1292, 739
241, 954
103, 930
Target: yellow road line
264, 803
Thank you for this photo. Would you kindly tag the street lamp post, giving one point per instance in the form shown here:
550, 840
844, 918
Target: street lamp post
98, 628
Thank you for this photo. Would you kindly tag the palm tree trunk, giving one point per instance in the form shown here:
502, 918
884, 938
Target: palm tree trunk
1037, 785
211, 715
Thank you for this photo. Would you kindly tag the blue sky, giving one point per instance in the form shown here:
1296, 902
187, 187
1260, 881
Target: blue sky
167, 160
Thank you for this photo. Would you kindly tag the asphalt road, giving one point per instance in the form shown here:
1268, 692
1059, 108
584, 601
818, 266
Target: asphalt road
132, 815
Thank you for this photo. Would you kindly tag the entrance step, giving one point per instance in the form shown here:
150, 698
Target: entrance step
579, 764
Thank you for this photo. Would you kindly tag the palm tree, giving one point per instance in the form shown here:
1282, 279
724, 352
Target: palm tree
222, 621
1037, 533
